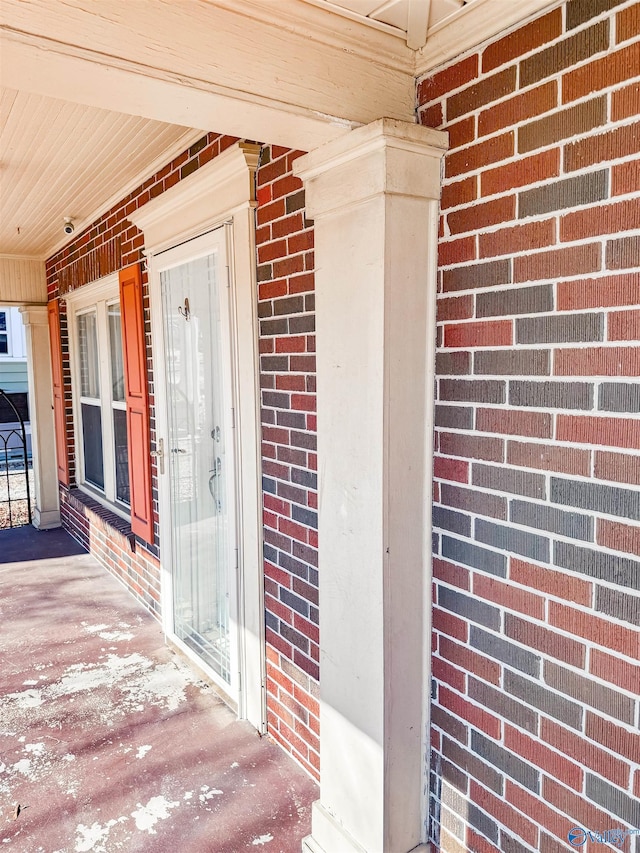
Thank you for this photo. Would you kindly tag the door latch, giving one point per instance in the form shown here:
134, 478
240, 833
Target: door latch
159, 454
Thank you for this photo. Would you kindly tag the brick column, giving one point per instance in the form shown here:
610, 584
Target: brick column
46, 511
374, 197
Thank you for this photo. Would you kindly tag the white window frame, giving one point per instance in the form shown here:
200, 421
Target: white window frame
16, 341
97, 297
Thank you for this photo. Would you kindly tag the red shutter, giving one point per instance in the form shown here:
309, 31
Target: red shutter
59, 415
137, 393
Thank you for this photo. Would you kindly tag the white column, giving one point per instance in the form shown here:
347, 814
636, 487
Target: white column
46, 503
374, 197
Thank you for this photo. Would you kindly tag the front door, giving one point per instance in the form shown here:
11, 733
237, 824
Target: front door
199, 454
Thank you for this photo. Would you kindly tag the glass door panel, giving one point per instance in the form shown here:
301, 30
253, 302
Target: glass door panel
200, 458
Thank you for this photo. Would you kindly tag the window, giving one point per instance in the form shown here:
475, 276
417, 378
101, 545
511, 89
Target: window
99, 393
4, 334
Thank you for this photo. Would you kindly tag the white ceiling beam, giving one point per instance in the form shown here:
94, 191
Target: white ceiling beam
418, 23
203, 65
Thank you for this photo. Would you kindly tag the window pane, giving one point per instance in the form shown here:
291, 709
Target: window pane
89, 364
122, 455
4, 344
92, 442
115, 347
3, 321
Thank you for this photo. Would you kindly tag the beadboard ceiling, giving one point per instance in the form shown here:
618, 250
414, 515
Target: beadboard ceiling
95, 98
61, 159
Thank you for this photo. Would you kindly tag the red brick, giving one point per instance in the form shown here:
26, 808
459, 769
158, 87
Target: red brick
605, 219
587, 429
478, 717
623, 326
625, 178
557, 263
291, 343
541, 756
271, 171
460, 192
532, 424
278, 609
454, 308
470, 661
506, 595
477, 843
286, 186
451, 573
482, 215
625, 102
603, 632
505, 814
287, 225
483, 92
519, 238
300, 242
548, 642
522, 40
472, 446
495, 333
269, 212
288, 266
589, 755
263, 195
432, 116
480, 155
566, 801
615, 67
618, 740
615, 670
447, 623
456, 251
303, 402
291, 382
519, 108
461, 132
277, 642
451, 469
608, 291
446, 81
597, 361
613, 145
551, 582
636, 785
546, 457
539, 811
617, 467
445, 673
628, 23
619, 537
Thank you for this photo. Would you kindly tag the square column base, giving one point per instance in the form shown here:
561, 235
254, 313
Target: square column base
329, 837
46, 519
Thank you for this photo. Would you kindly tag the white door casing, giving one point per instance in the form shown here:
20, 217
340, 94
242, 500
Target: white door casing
219, 193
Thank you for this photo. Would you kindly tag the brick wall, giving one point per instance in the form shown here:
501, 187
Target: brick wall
287, 377
286, 311
537, 474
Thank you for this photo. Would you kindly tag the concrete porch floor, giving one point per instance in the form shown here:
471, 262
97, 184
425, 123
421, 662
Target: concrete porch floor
108, 741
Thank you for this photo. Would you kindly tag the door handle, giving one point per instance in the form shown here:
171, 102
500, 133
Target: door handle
159, 454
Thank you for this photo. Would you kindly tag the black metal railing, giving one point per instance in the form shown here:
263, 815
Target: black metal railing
14, 456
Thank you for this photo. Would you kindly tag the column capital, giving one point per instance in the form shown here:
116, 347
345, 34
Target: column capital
386, 156
34, 315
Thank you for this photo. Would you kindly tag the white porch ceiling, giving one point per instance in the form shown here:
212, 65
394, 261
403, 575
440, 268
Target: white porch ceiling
60, 159
411, 20
97, 94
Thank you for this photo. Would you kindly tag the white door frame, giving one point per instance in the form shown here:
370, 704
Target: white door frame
205, 245
222, 192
